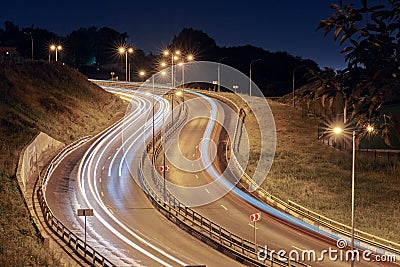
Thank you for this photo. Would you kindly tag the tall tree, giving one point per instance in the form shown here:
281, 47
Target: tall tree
370, 35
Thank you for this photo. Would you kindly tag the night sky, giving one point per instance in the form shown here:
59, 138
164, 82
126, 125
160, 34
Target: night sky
275, 25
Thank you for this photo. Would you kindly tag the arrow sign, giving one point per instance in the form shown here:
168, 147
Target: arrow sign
255, 217
161, 168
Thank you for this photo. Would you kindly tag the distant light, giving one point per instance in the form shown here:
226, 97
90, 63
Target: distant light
53, 47
130, 50
163, 73
370, 128
163, 64
121, 50
337, 130
178, 93
180, 63
59, 47
142, 73
177, 52
190, 57
166, 52
176, 57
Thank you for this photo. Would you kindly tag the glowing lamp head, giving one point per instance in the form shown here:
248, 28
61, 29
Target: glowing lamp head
53, 47
176, 57
163, 64
337, 130
166, 52
370, 129
121, 50
177, 52
163, 73
130, 50
190, 57
59, 47
142, 73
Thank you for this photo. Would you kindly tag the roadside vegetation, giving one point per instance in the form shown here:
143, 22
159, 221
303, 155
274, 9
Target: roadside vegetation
318, 176
55, 99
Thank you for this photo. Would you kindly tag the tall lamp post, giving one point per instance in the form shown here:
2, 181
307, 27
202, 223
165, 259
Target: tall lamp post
219, 80
55, 48
339, 131
294, 70
30, 34
251, 63
125, 50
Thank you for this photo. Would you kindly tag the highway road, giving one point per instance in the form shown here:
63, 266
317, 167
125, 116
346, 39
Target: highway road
232, 211
126, 227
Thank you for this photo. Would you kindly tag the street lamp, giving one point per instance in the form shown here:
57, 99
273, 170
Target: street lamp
182, 64
235, 87
250, 73
142, 73
125, 50
30, 34
55, 48
298, 67
219, 81
338, 131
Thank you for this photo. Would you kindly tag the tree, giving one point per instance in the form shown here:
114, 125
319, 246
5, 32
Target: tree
372, 50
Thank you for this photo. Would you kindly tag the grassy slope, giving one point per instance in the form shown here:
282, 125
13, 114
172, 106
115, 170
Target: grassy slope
59, 101
319, 177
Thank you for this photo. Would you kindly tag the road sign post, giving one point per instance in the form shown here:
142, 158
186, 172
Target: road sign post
254, 218
85, 212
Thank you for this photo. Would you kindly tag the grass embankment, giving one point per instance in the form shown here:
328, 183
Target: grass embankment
318, 176
57, 100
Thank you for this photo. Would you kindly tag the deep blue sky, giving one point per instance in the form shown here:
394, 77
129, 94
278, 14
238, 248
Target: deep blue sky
275, 25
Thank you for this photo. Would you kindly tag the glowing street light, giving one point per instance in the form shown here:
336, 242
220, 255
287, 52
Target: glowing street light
338, 131
55, 48
142, 73
125, 50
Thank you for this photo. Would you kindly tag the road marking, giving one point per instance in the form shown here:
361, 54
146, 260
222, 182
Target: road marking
253, 226
298, 248
207, 190
224, 207
102, 194
196, 176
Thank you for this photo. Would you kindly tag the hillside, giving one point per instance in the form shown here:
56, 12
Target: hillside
57, 100
52, 98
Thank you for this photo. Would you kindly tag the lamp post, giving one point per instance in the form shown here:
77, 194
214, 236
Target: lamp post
219, 80
30, 34
125, 50
294, 70
338, 131
182, 64
55, 48
250, 73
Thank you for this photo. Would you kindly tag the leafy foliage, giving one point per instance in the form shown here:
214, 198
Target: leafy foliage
372, 50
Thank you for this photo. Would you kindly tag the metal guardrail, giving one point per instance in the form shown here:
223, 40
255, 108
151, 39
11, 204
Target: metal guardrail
203, 228
87, 252
312, 217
